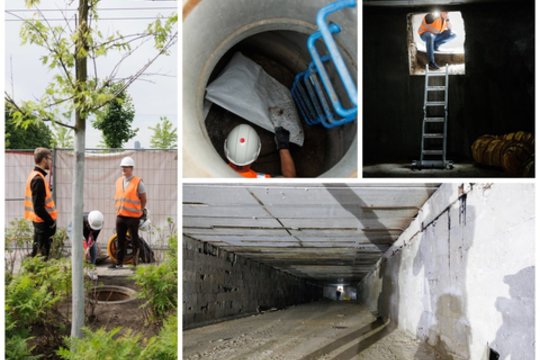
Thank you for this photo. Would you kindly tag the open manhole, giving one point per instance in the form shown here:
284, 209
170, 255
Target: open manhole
112, 294
273, 34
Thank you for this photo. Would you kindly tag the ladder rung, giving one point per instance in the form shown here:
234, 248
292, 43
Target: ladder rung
435, 74
432, 152
435, 103
434, 135
436, 88
434, 119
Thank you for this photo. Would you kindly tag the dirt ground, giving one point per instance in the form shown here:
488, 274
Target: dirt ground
322, 330
126, 315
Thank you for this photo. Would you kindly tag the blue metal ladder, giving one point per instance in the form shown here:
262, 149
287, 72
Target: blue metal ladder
312, 89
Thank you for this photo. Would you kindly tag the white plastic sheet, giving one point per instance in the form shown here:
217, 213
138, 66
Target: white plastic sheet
246, 90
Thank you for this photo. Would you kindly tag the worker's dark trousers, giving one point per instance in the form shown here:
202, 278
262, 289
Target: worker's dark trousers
123, 224
43, 235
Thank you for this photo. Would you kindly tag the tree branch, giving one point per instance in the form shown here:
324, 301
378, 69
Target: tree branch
46, 42
141, 71
12, 102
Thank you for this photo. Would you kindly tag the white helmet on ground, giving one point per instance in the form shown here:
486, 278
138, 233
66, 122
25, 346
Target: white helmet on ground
243, 145
95, 220
127, 161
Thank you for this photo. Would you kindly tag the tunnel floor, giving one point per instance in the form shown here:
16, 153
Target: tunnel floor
321, 330
404, 170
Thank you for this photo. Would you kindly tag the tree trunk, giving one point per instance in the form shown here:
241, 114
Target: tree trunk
77, 321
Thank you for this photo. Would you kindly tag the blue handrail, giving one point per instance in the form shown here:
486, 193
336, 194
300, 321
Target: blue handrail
312, 97
333, 50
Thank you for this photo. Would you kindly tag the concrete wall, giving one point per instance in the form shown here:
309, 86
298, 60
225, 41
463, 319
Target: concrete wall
219, 285
495, 96
461, 277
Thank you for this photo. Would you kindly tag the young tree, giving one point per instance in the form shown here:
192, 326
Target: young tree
68, 50
116, 119
164, 135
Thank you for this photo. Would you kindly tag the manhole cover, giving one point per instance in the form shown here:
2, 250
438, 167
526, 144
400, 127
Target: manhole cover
112, 294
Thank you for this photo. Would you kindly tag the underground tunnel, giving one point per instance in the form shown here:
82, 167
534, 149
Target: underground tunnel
370, 271
490, 94
273, 34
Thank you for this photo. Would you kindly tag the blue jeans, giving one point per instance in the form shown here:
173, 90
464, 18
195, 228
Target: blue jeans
433, 41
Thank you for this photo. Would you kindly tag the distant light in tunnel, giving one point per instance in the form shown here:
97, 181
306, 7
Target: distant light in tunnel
436, 13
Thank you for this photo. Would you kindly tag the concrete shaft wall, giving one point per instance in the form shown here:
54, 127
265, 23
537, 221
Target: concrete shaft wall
495, 96
219, 285
461, 277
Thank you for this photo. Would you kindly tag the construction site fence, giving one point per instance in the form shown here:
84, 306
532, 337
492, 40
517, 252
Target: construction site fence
157, 168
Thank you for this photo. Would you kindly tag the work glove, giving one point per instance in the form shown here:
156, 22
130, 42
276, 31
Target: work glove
282, 138
144, 214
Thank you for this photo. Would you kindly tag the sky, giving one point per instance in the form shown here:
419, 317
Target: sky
156, 96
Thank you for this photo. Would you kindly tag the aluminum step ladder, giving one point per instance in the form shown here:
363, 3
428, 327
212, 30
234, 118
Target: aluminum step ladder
313, 92
434, 124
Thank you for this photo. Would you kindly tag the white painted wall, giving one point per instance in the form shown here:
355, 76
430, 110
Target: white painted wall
461, 276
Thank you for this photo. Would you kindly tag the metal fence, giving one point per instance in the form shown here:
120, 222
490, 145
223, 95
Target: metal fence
157, 168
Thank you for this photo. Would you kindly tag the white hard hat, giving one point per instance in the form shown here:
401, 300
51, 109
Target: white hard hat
243, 145
95, 220
127, 161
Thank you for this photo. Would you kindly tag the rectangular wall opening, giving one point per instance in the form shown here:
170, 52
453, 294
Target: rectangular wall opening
451, 52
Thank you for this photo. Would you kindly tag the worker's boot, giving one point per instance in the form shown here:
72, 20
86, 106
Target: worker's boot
136, 257
433, 66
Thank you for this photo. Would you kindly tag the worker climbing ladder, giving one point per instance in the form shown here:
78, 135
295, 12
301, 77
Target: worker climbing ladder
312, 90
435, 121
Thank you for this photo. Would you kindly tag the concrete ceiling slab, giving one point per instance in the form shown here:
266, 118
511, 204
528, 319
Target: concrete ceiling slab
325, 232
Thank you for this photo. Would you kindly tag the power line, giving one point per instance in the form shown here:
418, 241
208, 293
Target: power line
98, 9
100, 19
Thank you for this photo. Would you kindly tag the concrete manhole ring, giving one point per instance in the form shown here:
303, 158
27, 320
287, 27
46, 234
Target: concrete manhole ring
112, 294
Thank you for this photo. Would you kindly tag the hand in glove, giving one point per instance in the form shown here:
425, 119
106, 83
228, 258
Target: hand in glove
282, 138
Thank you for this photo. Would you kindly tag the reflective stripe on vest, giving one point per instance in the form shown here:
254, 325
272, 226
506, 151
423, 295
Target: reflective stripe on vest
29, 213
127, 201
252, 174
436, 27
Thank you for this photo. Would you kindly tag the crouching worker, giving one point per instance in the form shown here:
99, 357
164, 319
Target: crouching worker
242, 148
92, 224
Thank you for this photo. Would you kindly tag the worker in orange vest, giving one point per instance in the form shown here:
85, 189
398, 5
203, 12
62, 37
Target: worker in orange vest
242, 148
435, 31
39, 205
130, 202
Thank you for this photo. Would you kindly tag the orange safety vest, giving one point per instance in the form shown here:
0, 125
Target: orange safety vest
249, 173
127, 201
29, 213
436, 27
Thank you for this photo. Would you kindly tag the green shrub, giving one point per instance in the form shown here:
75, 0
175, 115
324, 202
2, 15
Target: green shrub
59, 244
102, 345
17, 348
165, 345
159, 284
30, 299
18, 241
19, 233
